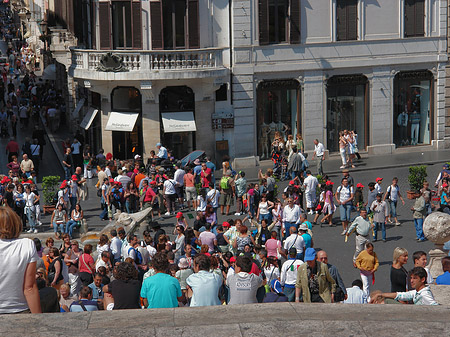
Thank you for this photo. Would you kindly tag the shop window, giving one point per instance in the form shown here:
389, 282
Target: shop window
413, 98
347, 109
278, 109
346, 20
279, 21
414, 18
175, 24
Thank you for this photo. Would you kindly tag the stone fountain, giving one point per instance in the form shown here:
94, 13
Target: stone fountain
436, 228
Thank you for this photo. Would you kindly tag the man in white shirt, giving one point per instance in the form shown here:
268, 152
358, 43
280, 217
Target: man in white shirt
310, 183
104, 261
179, 178
295, 241
116, 246
291, 216
319, 151
355, 294
344, 197
212, 197
288, 275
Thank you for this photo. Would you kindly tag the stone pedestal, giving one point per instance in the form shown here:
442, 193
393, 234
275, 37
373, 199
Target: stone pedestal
436, 228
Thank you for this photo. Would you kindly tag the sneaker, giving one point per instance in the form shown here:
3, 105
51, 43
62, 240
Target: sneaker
374, 240
237, 214
35, 231
39, 223
30, 231
167, 214
310, 212
397, 223
384, 240
342, 167
389, 221
343, 232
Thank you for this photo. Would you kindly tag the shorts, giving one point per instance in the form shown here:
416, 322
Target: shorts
226, 199
345, 212
191, 193
179, 191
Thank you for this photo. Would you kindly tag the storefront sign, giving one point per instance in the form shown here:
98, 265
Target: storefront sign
222, 120
88, 118
178, 121
121, 121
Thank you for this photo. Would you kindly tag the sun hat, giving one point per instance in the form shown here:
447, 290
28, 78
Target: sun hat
183, 263
310, 254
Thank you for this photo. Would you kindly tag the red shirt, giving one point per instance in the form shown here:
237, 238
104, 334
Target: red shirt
12, 146
149, 194
206, 177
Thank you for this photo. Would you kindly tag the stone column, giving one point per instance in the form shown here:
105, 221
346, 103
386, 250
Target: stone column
314, 109
436, 228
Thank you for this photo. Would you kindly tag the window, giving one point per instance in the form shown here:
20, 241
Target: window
120, 24
346, 20
279, 21
175, 24
221, 93
414, 18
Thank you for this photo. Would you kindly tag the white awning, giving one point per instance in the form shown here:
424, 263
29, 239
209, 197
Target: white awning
78, 107
179, 121
121, 121
88, 118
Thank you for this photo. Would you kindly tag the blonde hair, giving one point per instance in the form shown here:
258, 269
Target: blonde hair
398, 252
10, 224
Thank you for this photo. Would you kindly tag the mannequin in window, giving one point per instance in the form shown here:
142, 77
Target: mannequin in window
402, 122
264, 140
414, 118
273, 130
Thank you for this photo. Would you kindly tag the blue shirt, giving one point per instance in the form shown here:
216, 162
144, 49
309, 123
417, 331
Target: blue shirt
90, 306
444, 278
356, 296
161, 291
211, 166
307, 239
97, 293
205, 287
443, 202
162, 153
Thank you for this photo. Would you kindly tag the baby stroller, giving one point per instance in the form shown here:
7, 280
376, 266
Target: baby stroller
276, 158
4, 133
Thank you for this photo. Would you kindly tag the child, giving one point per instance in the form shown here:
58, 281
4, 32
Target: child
367, 263
421, 293
378, 185
392, 195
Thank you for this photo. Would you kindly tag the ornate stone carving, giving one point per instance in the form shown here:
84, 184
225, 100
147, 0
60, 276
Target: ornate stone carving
111, 63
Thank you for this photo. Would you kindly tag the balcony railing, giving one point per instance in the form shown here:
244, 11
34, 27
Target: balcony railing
192, 59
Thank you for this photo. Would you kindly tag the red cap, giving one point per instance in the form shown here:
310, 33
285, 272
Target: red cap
109, 156
378, 179
444, 185
329, 182
74, 177
153, 182
111, 180
358, 185
226, 224
179, 215
5, 180
292, 182
63, 185
232, 259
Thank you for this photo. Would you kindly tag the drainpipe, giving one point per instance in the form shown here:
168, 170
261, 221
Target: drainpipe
230, 25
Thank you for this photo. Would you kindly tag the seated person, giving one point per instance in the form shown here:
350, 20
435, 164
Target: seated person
444, 278
85, 303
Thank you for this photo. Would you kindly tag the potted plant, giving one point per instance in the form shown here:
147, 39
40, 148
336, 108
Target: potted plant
49, 190
417, 175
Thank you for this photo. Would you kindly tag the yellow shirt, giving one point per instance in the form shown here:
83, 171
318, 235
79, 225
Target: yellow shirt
368, 262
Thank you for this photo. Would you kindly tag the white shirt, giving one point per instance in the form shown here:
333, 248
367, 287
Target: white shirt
294, 240
179, 176
162, 153
393, 192
100, 263
289, 272
378, 188
344, 192
108, 172
292, 214
151, 251
213, 195
29, 199
116, 246
169, 185
356, 296
319, 149
123, 179
310, 183
11, 289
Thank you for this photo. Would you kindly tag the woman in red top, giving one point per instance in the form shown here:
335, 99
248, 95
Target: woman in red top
191, 191
86, 266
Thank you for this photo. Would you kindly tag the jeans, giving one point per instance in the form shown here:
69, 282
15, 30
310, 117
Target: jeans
61, 226
267, 216
73, 202
393, 208
319, 165
287, 226
414, 133
382, 226
290, 293
418, 223
343, 156
30, 216
345, 211
295, 174
67, 172
70, 225
278, 230
104, 213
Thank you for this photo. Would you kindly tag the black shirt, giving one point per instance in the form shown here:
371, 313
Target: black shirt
398, 279
126, 294
220, 240
68, 159
9, 198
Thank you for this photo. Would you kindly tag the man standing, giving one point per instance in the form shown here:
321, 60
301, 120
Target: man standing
115, 246
295, 164
295, 241
419, 213
227, 192
291, 216
341, 291
68, 164
179, 178
380, 212
314, 281
162, 151
26, 166
241, 189
212, 167
344, 197
12, 149
161, 290
212, 197
243, 285
362, 227
288, 275
319, 151
205, 175
204, 284
310, 183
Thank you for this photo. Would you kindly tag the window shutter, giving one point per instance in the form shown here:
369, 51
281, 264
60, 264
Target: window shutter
295, 17
419, 18
263, 7
156, 21
341, 20
137, 25
193, 24
352, 19
409, 18
104, 18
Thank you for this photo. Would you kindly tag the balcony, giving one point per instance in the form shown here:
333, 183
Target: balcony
147, 65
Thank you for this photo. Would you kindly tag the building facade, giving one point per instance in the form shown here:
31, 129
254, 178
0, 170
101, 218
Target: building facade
223, 76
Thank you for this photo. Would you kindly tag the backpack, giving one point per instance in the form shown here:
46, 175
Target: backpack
225, 183
138, 258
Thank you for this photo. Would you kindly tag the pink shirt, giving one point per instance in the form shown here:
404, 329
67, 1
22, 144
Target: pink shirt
207, 238
272, 247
